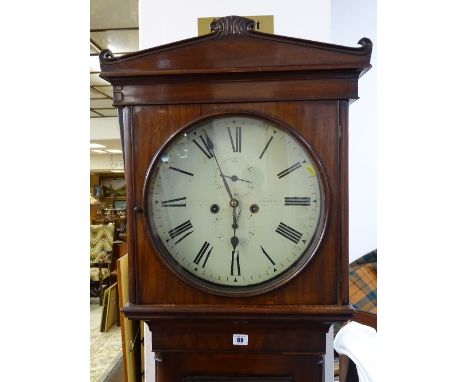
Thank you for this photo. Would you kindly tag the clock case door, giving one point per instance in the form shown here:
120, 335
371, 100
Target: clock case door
305, 85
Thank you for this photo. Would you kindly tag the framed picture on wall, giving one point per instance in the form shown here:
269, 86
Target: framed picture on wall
113, 187
97, 191
120, 204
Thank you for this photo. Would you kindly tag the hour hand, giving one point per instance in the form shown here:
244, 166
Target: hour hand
235, 264
234, 242
234, 178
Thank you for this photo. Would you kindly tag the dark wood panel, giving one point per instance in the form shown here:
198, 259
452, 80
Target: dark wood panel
317, 123
310, 313
125, 116
217, 335
208, 89
152, 126
343, 190
365, 318
175, 366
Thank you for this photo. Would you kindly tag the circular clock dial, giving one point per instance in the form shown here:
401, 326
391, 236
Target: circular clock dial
235, 204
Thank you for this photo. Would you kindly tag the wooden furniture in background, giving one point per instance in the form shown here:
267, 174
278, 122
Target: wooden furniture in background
110, 309
119, 249
304, 84
128, 328
105, 187
95, 211
101, 251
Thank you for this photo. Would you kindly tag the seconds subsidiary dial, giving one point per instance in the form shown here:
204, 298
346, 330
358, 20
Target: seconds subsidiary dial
235, 204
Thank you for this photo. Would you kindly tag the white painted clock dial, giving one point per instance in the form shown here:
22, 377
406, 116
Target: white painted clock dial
235, 203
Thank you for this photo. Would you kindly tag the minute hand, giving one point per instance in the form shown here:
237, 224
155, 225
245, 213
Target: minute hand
235, 219
211, 148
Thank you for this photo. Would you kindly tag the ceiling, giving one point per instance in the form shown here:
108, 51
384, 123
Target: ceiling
114, 26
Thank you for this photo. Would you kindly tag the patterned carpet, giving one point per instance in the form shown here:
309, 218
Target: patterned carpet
106, 348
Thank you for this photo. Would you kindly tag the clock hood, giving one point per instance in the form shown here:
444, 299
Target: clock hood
234, 47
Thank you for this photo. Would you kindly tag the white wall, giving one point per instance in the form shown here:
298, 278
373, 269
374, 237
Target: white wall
106, 162
162, 22
104, 128
350, 21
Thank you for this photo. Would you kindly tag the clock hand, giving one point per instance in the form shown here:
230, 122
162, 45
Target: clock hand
235, 219
235, 178
235, 243
211, 148
233, 202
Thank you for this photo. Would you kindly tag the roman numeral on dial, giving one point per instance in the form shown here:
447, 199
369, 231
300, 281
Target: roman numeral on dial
289, 233
179, 230
179, 202
265, 148
181, 171
236, 144
289, 170
297, 201
235, 264
267, 255
201, 253
204, 146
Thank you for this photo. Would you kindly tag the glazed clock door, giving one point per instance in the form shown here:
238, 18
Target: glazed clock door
235, 204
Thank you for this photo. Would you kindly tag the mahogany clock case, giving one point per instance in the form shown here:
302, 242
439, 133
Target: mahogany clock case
303, 84
260, 288
316, 122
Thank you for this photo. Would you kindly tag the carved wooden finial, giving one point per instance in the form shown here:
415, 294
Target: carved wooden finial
366, 44
106, 55
232, 25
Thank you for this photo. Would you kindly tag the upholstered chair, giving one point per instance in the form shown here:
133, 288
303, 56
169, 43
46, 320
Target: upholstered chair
101, 240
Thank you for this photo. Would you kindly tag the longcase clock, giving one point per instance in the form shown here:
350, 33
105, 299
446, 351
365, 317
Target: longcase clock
236, 159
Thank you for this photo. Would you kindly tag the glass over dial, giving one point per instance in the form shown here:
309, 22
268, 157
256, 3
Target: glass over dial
235, 204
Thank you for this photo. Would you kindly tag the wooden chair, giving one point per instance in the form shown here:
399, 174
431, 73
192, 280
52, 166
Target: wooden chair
101, 244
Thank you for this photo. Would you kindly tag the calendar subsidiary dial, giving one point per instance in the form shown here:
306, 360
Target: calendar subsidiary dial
235, 204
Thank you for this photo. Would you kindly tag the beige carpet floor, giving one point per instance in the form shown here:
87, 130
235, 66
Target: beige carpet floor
106, 348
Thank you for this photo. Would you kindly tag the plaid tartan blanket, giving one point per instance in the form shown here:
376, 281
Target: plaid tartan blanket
363, 283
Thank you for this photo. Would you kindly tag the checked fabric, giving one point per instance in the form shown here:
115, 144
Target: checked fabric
363, 283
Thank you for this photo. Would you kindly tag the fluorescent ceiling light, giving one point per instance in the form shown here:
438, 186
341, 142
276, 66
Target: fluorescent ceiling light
99, 151
96, 146
117, 170
114, 151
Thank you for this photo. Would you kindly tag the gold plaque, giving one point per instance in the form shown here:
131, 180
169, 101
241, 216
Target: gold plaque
262, 24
